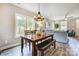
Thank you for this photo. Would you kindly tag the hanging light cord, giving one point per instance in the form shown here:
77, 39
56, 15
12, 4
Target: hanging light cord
39, 7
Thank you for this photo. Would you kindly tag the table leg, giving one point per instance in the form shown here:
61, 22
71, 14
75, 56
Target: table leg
42, 53
29, 45
22, 44
54, 44
34, 50
0, 52
52, 37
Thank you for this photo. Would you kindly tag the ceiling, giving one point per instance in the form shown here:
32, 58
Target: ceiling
53, 11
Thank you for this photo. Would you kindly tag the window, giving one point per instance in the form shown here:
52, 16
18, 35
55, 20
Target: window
30, 23
20, 24
52, 26
59, 25
63, 25
49, 25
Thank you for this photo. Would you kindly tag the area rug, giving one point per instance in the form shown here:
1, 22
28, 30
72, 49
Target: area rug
61, 50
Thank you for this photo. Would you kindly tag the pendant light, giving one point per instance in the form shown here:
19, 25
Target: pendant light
38, 17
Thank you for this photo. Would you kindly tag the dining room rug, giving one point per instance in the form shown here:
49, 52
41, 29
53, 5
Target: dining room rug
60, 50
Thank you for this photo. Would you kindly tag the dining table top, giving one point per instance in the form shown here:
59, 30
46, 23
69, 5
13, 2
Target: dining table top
34, 37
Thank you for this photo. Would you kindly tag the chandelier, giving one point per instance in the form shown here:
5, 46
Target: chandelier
38, 17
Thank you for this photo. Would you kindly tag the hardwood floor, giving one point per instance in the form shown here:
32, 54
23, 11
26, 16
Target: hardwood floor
74, 46
16, 51
49, 52
72, 49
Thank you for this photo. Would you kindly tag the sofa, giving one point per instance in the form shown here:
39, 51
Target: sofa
71, 33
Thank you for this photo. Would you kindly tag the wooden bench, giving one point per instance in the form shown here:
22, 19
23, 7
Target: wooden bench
44, 45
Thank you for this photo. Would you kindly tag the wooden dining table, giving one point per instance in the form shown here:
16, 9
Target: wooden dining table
33, 39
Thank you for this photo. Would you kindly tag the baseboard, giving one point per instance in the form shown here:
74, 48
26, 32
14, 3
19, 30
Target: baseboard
9, 46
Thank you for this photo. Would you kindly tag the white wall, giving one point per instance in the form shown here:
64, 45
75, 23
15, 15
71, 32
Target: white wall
7, 23
77, 27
